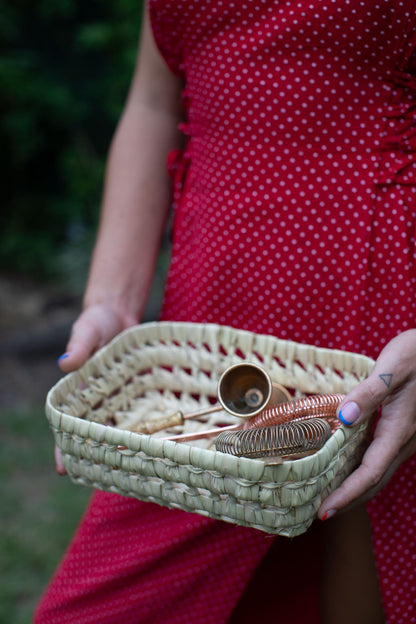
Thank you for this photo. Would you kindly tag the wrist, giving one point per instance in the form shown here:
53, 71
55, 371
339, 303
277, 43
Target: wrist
124, 305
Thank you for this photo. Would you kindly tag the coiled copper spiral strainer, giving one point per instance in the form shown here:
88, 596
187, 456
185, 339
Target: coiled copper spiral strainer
273, 424
289, 438
318, 405
287, 429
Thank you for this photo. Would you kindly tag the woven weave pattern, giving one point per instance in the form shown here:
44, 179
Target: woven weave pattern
154, 369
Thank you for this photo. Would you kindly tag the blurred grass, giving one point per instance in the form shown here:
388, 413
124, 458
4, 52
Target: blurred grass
38, 514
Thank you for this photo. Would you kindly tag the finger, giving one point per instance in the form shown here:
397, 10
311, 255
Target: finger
93, 329
390, 447
85, 339
364, 480
363, 484
60, 468
389, 374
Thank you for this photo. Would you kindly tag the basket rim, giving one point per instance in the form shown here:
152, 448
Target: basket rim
207, 331
182, 453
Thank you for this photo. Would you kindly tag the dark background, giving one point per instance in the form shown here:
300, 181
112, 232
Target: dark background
65, 67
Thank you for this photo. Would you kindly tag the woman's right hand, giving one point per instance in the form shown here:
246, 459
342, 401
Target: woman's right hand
95, 326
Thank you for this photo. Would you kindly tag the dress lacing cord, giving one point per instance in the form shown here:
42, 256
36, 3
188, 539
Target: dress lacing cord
398, 146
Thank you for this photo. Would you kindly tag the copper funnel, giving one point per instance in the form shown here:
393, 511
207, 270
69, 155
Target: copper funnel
245, 390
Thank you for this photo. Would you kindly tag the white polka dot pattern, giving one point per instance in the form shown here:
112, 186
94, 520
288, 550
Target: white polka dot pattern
290, 211
139, 563
295, 198
295, 211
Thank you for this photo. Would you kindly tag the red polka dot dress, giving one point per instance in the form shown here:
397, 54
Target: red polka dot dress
295, 215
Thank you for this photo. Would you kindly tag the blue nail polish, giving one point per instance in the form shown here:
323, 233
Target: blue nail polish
349, 414
342, 419
62, 357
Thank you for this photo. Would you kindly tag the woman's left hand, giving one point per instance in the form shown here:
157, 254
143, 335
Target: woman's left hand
391, 385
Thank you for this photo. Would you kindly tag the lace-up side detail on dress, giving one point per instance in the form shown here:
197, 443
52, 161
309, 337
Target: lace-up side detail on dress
398, 146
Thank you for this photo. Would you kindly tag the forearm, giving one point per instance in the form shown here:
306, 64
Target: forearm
135, 205
137, 189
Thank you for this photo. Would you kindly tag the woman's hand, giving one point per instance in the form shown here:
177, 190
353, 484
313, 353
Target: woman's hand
96, 326
391, 386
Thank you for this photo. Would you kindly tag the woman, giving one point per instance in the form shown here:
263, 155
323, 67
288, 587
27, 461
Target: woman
294, 193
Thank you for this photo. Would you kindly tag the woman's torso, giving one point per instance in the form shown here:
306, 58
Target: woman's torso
295, 196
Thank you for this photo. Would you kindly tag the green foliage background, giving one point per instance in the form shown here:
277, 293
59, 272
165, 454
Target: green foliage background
64, 72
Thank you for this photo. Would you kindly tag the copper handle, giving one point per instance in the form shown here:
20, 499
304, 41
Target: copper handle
172, 420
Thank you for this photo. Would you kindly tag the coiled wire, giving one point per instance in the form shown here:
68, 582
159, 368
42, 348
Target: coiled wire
319, 405
288, 438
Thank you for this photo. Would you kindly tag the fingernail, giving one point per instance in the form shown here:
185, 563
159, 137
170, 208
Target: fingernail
329, 514
62, 357
60, 468
349, 413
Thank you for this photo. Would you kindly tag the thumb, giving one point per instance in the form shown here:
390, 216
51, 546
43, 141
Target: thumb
96, 325
392, 369
364, 400
85, 339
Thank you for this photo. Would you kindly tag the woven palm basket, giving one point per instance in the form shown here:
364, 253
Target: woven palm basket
154, 369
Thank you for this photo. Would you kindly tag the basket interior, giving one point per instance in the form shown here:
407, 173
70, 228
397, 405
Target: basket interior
157, 369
